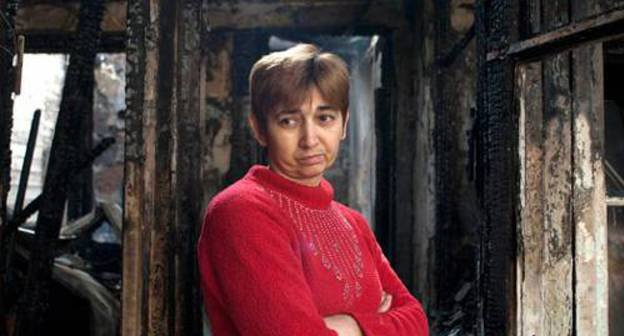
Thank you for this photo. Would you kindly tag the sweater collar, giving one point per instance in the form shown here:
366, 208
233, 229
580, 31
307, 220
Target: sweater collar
319, 197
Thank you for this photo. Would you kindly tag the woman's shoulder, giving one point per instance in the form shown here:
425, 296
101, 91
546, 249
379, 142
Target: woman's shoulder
239, 205
242, 196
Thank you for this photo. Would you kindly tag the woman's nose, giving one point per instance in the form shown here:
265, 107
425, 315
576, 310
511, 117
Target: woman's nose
309, 137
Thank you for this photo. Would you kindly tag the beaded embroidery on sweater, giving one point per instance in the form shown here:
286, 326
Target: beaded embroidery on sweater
328, 235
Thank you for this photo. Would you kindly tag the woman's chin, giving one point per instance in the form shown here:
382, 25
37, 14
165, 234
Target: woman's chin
310, 172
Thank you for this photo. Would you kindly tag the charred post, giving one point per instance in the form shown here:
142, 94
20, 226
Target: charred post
496, 167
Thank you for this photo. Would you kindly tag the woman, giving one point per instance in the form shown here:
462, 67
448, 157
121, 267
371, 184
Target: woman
277, 255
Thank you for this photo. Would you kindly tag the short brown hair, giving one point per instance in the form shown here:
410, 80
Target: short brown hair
282, 80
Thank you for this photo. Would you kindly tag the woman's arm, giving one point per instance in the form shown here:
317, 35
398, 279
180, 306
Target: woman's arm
258, 273
406, 315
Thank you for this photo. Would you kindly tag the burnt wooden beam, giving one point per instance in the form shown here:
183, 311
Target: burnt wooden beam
8, 10
496, 168
62, 42
65, 155
589, 213
602, 27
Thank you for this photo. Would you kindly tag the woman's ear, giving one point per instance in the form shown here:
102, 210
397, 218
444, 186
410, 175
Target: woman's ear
344, 126
256, 129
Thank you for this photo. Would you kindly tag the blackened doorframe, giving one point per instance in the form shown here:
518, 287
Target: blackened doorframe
496, 168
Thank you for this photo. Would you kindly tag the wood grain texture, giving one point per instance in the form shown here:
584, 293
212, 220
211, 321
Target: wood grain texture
529, 97
591, 254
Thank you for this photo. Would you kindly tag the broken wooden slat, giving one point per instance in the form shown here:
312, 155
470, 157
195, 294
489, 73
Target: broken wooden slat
590, 215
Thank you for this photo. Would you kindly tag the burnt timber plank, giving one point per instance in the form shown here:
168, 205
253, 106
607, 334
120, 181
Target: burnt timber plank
496, 169
531, 238
558, 255
134, 261
186, 175
558, 259
7, 76
590, 217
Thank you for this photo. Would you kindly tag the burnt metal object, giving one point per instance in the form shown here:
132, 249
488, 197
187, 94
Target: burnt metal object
65, 156
495, 167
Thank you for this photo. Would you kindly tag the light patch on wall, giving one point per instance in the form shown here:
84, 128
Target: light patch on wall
583, 139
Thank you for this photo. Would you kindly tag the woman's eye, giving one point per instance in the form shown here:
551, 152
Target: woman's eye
287, 122
326, 118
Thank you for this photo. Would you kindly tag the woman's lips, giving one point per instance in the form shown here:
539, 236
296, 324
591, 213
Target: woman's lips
312, 159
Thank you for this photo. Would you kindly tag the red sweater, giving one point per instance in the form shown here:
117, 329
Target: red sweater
276, 257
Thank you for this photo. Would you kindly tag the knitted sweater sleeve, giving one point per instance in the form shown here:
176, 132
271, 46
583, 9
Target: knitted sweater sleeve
257, 272
406, 315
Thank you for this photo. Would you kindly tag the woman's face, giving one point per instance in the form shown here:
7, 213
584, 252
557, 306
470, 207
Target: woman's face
303, 143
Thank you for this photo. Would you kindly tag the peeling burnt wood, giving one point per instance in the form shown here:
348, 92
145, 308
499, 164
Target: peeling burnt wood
162, 195
591, 276
531, 241
496, 169
588, 203
603, 27
65, 154
343, 14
